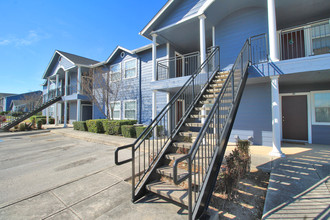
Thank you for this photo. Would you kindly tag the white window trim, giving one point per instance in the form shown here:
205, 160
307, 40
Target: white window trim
120, 71
309, 110
116, 102
132, 100
136, 69
313, 107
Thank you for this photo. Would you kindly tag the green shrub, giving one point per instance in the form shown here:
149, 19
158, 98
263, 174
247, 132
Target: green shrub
22, 127
43, 118
80, 126
139, 131
128, 131
113, 127
95, 126
76, 125
51, 120
39, 124
17, 114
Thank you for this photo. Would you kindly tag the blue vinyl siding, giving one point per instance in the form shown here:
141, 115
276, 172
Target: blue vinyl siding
321, 134
146, 92
181, 11
232, 31
254, 116
64, 63
72, 112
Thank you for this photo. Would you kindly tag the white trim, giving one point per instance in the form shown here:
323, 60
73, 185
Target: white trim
309, 120
161, 11
205, 6
124, 69
120, 71
140, 49
130, 100
313, 107
116, 102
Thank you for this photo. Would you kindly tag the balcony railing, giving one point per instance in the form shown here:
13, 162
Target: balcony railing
305, 40
178, 66
71, 89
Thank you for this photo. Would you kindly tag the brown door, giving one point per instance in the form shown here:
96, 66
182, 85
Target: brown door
293, 44
179, 111
294, 117
178, 65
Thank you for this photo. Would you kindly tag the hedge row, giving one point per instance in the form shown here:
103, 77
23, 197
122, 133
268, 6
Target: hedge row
114, 127
35, 118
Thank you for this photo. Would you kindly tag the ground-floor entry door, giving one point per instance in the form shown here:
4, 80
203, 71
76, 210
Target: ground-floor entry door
294, 117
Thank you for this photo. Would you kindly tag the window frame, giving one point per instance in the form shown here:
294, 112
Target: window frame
116, 102
120, 72
132, 100
314, 122
135, 67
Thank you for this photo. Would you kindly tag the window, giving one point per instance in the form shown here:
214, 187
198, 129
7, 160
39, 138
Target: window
130, 69
115, 72
321, 107
116, 110
130, 109
320, 34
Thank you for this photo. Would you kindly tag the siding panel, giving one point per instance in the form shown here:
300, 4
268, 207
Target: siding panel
232, 32
183, 10
254, 116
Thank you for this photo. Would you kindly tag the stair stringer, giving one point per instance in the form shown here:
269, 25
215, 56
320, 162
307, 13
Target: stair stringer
141, 190
26, 116
211, 178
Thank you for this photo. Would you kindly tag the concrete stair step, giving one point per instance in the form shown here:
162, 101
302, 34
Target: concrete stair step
169, 191
189, 133
184, 145
168, 171
174, 156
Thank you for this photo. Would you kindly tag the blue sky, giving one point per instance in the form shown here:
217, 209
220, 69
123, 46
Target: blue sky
32, 30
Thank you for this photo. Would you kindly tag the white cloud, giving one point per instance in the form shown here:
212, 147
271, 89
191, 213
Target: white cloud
31, 38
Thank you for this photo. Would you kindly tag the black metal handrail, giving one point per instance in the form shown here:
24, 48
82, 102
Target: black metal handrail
203, 157
44, 100
153, 141
180, 65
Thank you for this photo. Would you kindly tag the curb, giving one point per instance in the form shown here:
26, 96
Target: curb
22, 133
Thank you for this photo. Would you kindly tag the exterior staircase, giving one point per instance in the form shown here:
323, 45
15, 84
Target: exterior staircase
52, 97
180, 160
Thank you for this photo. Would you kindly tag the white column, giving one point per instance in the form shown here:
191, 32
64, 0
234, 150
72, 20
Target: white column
47, 110
154, 57
79, 110
202, 38
66, 83
213, 37
154, 104
276, 118
56, 105
79, 80
272, 35
169, 116
65, 113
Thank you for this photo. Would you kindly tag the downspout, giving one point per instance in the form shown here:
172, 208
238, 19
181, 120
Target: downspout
140, 90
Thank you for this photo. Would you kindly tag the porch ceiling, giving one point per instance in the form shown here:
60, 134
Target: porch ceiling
315, 77
289, 13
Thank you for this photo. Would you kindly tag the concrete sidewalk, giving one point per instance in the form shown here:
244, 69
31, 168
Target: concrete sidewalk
299, 184
111, 140
298, 187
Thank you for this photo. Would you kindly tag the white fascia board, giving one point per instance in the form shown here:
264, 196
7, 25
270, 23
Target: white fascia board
51, 60
114, 52
65, 57
156, 17
204, 7
199, 13
140, 49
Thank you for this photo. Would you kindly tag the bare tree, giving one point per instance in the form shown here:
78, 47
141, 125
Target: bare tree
31, 100
102, 89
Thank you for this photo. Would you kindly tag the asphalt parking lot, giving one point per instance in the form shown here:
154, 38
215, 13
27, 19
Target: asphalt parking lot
52, 176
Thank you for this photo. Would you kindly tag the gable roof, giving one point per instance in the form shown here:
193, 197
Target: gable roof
72, 58
78, 60
175, 12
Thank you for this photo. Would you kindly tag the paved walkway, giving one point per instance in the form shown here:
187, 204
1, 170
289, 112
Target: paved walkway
298, 187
